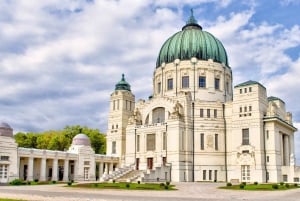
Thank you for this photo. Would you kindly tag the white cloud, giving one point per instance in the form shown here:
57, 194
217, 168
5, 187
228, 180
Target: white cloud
289, 2
60, 60
179, 3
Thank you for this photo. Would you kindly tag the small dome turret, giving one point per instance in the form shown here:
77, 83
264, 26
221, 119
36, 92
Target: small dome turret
5, 130
81, 139
122, 84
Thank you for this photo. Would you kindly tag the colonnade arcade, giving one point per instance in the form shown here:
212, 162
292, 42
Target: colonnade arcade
105, 165
48, 165
287, 148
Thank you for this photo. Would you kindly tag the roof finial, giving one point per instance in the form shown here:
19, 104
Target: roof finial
123, 77
192, 22
192, 19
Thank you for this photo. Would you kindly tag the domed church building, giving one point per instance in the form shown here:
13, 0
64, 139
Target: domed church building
194, 127
198, 127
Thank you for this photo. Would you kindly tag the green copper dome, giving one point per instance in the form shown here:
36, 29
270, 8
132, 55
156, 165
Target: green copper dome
123, 85
192, 42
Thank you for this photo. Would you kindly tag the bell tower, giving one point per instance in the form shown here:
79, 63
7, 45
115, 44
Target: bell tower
122, 103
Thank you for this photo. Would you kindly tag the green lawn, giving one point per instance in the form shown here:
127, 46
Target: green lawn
129, 186
261, 187
6, 199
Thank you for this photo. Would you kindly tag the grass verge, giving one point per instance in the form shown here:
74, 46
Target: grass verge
261, 187
127, 186
18, 182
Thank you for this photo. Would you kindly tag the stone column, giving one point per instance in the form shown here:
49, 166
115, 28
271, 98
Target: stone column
54, 169
30, 169
292, 150
105, 168
100, 170
286, 150
150, 119
75, 170
43, 169
111, 166
20, 176
66, 170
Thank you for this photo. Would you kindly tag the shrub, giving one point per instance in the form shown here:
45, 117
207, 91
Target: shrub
166, 187
215, 180
95, 185
161, 184
36, 180
127, 185
295, 185
53, 182
69, 183
255, 183
139, 182
229, 184
28, 183
244, 183
281, 183
287, 185
242, 186
17, 182
167, 183
72, 181
275, 186
114, 181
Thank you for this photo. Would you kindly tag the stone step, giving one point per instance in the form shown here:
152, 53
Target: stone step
130, 176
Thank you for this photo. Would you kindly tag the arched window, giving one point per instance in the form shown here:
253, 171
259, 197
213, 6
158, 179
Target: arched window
158, 115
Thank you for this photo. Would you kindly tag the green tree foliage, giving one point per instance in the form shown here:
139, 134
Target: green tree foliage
28, 140
62, 139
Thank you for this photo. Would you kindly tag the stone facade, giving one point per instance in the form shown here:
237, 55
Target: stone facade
198, 127
248, 138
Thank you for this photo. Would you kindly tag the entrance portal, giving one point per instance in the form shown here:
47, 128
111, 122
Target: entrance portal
86, 173
245, 173
3, 173
150, 163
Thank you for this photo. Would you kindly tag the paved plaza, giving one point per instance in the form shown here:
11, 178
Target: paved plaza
185, 192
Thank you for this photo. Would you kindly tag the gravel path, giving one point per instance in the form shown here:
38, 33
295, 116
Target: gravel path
185, 192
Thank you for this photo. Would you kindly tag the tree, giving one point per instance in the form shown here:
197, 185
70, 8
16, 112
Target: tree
28, 140
61, 139
98, 142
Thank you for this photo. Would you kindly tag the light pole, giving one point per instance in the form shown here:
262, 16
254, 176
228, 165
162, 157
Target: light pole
193, 61
176, 62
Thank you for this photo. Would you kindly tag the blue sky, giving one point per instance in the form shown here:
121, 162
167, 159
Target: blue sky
60, 59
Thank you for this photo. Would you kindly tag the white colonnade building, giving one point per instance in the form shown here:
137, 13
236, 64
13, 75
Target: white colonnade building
79, 163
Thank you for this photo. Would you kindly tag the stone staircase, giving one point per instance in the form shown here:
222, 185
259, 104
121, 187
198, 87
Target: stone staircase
157, 174
131, 176
117, 173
